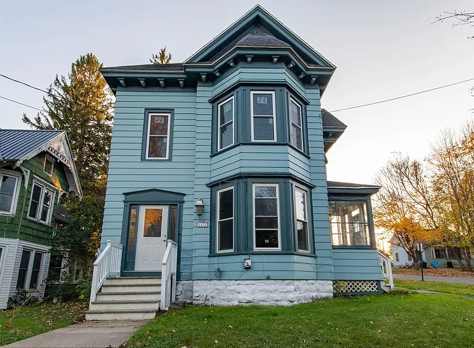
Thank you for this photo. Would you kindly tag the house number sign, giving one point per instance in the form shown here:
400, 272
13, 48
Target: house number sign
202, 224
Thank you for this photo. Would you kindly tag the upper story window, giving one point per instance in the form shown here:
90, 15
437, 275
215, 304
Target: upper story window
158, 136
266, 216
349, 225
296, 125
301, 213
263, 115
41, 203
8, 192
48, 165
225, 220
226, 123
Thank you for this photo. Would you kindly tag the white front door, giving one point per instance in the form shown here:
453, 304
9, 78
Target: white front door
152, 234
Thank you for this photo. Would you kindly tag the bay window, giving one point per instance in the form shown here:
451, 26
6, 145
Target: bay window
301, 213
266, 214
225, 220
296, 125
41, 203
226, 123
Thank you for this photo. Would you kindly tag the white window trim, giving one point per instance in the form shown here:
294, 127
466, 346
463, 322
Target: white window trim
273, 115
50, 159
292, 123
305, 193
45, 186
150, 115
2, 256
219, 220
16, 192
278, 217
219, 125
29, 271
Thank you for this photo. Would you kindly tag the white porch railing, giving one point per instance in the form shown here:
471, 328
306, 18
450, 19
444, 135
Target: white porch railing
168, 275
386, 265
107, 264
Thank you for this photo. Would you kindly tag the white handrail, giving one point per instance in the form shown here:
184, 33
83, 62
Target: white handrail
386, 265
168, 275
107, 264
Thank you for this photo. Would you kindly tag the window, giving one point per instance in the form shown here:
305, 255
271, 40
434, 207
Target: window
35, 272
48, 165
131, 234
30, 270
225, 220
8, 193
263, 116
41, 203
158, 136
266, 216
296, 129
23, 272
349, 223
225, 115
440, 253
301, 213
397, 257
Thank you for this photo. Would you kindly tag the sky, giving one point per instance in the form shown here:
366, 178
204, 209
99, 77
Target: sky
382, 49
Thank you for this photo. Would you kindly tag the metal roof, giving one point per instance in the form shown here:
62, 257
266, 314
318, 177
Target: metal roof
17, 143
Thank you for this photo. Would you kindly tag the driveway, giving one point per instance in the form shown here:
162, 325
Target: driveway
435, 278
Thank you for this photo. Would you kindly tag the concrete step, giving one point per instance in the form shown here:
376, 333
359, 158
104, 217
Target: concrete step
133, 280
129, 296
118, 314
108, 288
129, 305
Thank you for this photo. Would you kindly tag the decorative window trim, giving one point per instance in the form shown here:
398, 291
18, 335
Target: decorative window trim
219, 220
219, 125
29, 271
16, 191
252, 116
148, 136
294, 101
45, 187
50, 159
278, 216
305, 194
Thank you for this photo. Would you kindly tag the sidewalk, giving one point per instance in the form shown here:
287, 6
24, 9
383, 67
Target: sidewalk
435, 278
93, 334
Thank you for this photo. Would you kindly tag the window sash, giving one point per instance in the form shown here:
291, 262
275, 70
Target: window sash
149, 136
272, 116
39, 212
303, 221
221, 125
296, 125
48, 169
219, 220
12, 195
255, 229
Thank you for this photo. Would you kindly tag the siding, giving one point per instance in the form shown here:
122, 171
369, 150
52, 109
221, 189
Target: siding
7, 269
356, 264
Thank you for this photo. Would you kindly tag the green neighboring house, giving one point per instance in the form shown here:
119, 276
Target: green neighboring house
36, 169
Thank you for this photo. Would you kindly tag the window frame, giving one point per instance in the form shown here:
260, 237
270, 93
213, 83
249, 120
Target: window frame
252, 116
219, 125
305, 193
300, 106
44, 188
51, 160
16, 191
219, 220
255, 248
148, 135
29, 270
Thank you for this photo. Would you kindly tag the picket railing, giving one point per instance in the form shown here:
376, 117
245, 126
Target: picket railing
386, 265
168, 275
107, 264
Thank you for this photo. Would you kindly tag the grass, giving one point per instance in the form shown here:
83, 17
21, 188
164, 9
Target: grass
450, 288
16, 325
413, 320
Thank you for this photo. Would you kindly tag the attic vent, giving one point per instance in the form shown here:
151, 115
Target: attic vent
347, 287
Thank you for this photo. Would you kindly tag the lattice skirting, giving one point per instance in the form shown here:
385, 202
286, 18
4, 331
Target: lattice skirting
355, 286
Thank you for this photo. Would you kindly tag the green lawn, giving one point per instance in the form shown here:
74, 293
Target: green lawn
16, 325
450, 288
412, 320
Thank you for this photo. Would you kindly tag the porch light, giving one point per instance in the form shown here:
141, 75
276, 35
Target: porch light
199, 206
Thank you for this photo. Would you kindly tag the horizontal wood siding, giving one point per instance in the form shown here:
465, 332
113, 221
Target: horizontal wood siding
7, 267
356, 264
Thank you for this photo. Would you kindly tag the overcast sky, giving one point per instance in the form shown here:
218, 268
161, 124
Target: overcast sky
381, 49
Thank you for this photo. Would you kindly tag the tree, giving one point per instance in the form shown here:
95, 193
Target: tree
161, 58
459, 18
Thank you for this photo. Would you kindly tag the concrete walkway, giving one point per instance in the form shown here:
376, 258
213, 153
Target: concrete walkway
435, 278
93, 334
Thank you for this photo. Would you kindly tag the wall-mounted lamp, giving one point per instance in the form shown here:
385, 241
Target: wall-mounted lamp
199, 206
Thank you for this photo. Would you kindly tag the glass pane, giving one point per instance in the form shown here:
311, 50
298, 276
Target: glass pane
265, 191
303, 243
226, 234
295, 113
36, 271
266, 222
266, 207
33, 209
266, 239
21, 279
172, 234
262, 104
34, 280
226, 112
227, 135
159, 125
296, 137
8, 185
300, 202
5, 202
263, 128
226, 204
152, 224
349, 223
46, 205
48, 167
25, 259
157, 147
131, 234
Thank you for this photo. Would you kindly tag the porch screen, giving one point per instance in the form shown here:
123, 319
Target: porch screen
349, 223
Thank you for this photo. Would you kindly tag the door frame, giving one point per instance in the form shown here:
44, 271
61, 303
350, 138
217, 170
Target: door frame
149, 197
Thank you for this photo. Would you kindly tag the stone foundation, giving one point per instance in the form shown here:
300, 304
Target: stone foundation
253, 292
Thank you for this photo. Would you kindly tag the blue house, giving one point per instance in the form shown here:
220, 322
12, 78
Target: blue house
217, 190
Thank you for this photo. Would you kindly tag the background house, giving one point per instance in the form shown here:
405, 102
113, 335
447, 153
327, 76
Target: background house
36, 168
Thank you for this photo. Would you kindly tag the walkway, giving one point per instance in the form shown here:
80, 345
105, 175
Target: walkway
461, 280
88, 334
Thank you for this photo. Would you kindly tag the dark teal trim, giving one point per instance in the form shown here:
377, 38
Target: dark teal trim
352, 192
263, 252
263, 175
128, 265
153, 196
364, 247
145, 134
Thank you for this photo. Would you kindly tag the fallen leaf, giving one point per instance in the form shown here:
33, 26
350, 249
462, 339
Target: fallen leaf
352, 309
231, 327
138, 344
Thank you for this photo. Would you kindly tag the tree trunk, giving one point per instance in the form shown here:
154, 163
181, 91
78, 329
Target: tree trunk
458, 258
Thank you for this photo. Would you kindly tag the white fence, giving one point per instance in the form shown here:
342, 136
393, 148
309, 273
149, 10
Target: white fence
386, 265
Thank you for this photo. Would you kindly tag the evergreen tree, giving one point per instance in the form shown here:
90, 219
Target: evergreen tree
161, 58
